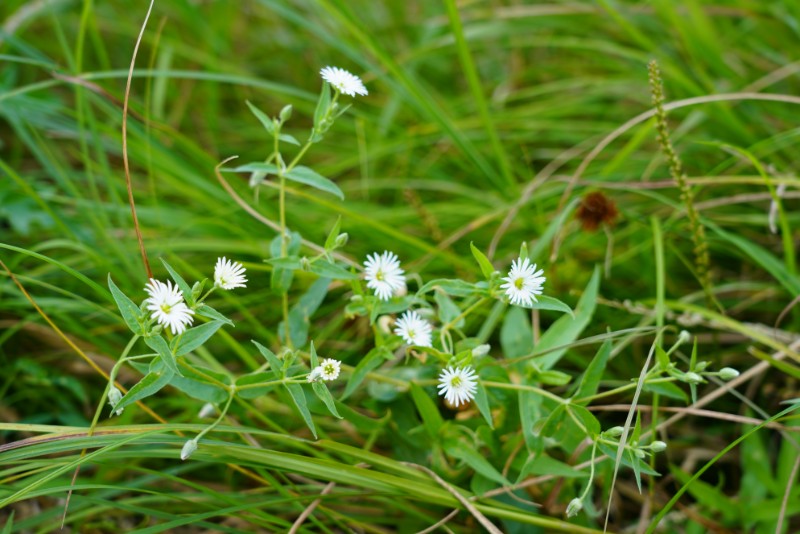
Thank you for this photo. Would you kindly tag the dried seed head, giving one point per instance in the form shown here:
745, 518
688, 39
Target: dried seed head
596, 209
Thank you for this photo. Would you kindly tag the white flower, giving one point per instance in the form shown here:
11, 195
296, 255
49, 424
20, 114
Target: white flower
167, 306
229, 274
523, 282
329, 369
458, 385
207, 410
414, 329
343, 81
384, 275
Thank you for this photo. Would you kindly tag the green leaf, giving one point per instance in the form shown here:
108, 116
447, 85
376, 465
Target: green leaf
8, 528
544, 465
482, 402
431, 418
553, 421
708, 496
292, 247
321, 390
196, 385
195, 337
259, 170
667, 389
567, 329
262, 117
516, 337
458, 288
626, 459
255, 378
159, 344
301, 312
370, 362
448, 310
323, 103
530, 411
299, 398
330, 241
272, 360
461, 451
147, 386
553, 378
308, 176
313, 356
181, 283
281, 280
286, 138
332, 270
591, 378
207, 311
662, 358
131, 313
549, 303
483, 262
587, 419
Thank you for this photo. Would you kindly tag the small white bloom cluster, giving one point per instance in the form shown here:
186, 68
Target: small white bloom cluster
458, 384
523, 282
414, 329
167, 306
328, 370
343, 81
384, 275
229, 274
166, 303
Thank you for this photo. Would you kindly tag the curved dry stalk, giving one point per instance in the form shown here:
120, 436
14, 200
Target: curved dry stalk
310, 508
733, 418
488, 525
785, 501
125, 162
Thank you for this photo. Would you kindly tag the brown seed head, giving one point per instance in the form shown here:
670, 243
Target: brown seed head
596, 209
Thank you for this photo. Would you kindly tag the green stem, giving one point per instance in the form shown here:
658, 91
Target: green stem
522, 387
219, 419
622, 389
271, 383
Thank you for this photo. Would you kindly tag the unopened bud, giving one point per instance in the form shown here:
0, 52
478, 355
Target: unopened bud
692, 378
401, 291
197, 288
305, 264
385, 323
658, 446
286, 113
574, 506
728, 373
207, 410
341, 239
639, 453
481, 350
114, 396
188, 449
614, 432
684, 336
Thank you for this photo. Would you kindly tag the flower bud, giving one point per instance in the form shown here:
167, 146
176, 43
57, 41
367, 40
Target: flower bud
197, 288
385, 323
114, 396
481, 350
286, 113
207, 410
728, 373
575, 506
341, 239
614, 432
401, 291
639, 453
684, 336
692, 378
658, 446
188, 449
305, 264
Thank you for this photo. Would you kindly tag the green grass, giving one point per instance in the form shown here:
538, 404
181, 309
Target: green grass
469, 102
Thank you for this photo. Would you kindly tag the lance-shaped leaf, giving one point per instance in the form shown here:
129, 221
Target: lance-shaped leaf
131, 313
308, 176
159, 344
147, 386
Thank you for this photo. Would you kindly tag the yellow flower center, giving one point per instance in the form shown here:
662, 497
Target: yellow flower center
166, 308
519, 282
379, 276
455, 382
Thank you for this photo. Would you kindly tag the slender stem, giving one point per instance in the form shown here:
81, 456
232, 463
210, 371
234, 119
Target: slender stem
591, 471
285, 308
466, 312
621, 389
270, 383
219, 419
522, 387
